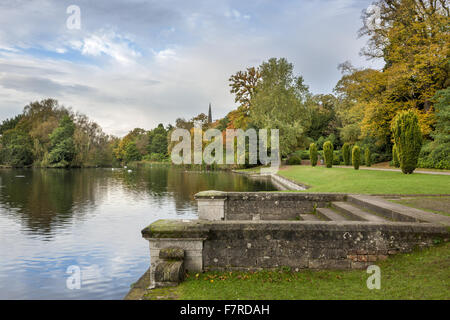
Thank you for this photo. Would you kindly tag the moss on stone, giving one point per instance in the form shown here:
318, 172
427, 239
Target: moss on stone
175, 229
211, 194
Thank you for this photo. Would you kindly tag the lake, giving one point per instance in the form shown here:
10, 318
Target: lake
51, 220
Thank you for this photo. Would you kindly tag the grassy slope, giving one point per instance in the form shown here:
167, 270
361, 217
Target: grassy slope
323, 179
420, 275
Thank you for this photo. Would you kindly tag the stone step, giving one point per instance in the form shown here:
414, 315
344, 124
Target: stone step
380, 207
356, 213
330, 214
397, 212
310, 217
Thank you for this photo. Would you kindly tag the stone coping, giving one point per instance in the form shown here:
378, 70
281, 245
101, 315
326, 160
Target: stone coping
211, 194
269, 195
188, 229
175, 229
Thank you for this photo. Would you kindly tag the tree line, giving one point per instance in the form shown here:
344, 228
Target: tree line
410, 36
47, 134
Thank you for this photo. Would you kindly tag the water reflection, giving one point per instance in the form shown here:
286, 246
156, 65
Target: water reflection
51, 219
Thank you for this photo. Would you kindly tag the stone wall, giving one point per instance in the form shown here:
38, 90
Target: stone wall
230, 245
260, 205
282, 183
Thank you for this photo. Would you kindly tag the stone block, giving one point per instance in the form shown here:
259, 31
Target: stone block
171, 253
211, 209
168, 273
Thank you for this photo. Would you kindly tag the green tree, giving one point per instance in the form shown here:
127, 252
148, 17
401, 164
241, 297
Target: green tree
279, 103
437, 152
321, 116
62, 147
395, 159
16, 148
328, 153
158, 141
10, 123
356, 157
408, 139
320, 142
367, 159
346, 153
132, 153
350, 133
313, 154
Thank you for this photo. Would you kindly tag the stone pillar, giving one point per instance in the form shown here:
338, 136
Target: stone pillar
211, 205
193, 254
186, 235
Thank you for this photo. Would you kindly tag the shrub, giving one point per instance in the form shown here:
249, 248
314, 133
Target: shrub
305, 155
294, 159
328, 153
408, 139
337, 157
362, 160
356, 157
320, 142
332, 138
395, 159
434, 156
157, 157
367, 159
346, 153
313, 154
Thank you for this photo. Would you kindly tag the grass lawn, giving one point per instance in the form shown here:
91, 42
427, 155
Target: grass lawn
423, 274
322, 179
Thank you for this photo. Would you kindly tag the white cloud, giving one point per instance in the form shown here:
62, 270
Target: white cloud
164, 55
111, 44
167, 61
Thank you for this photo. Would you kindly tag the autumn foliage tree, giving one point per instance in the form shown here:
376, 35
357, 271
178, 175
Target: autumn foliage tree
243, 85
411, 37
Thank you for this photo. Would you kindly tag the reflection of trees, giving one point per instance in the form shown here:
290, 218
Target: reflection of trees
46, 198
183, 185
164, 183
145, 182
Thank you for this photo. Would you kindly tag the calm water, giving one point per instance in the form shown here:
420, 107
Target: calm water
91, 218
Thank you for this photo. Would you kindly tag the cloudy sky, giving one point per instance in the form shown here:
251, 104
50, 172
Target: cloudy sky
136, 63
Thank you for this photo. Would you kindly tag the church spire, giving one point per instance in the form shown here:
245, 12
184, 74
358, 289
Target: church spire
209, 114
